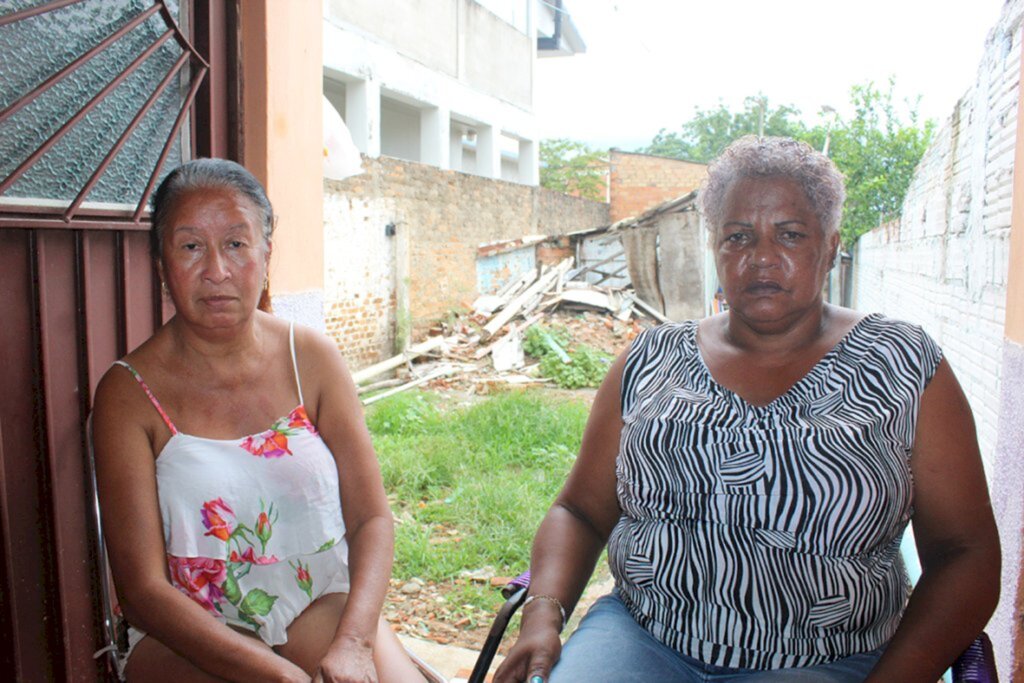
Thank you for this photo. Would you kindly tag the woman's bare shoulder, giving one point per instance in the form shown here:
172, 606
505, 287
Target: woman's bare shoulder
120, 383
120, 401
122, 413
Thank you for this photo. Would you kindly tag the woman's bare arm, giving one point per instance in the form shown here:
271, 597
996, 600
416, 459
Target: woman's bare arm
571, 536
126, 475
956, 538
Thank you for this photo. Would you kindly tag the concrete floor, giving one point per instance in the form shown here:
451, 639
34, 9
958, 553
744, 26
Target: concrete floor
453, 662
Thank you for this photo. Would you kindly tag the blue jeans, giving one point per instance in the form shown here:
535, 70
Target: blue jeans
609, 646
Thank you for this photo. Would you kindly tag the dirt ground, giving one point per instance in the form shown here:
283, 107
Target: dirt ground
427, 613
423, 609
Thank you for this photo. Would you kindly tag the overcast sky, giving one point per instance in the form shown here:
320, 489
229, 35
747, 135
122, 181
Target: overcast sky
650, 62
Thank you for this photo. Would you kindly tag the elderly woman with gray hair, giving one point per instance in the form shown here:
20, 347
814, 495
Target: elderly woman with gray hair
752, 475
249, 534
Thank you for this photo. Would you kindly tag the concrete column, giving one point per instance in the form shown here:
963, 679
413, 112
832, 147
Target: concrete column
488, 152
529, 162
362, 115
435, 137
455, 148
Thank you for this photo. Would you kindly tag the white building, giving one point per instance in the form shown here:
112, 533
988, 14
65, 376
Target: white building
444, 82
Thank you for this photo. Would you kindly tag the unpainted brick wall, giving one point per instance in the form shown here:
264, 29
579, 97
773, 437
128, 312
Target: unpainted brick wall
555, 251
944, 265
377, 286
359, 281
642, 181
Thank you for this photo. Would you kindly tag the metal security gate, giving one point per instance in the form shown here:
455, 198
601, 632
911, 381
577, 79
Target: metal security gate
98, 99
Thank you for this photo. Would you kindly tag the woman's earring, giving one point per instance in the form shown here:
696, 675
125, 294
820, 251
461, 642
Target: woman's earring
266, 282
164, 289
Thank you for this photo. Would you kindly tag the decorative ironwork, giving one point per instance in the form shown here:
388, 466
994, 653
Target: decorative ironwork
94, 107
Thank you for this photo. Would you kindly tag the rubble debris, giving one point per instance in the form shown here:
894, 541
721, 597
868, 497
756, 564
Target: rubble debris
650, 310
442, 371
507, 352
377, 386
365, 374
524, 301
483, 349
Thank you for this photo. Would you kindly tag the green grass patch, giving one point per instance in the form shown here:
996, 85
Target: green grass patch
469, 485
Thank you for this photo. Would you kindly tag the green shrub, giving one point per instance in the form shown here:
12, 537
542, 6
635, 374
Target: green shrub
535, 345
587, 366
587, 369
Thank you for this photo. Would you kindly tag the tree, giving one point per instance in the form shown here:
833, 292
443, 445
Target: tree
574, 168
703, 137
877, 150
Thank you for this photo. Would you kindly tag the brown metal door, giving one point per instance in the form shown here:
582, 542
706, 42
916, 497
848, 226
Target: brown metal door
98, 99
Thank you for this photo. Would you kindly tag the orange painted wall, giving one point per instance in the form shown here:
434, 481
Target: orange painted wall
281, 72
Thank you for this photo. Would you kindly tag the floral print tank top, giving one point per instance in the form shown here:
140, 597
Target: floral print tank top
252, 526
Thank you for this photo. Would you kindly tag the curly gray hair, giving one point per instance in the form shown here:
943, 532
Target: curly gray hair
752, 156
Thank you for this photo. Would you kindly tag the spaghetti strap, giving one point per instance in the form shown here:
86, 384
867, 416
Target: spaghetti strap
295, 364
152, 398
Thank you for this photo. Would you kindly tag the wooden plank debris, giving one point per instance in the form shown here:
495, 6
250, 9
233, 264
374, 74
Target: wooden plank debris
516, 305
650, 310
442, 371
483, 351
375, 386
510, 288
369, 373
594, 266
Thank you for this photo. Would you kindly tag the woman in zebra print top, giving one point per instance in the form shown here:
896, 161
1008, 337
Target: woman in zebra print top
752, 475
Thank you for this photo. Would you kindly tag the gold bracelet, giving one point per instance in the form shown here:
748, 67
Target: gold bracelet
554, 601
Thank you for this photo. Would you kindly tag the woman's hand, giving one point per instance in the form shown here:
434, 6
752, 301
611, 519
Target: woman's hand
348, 660
533, 655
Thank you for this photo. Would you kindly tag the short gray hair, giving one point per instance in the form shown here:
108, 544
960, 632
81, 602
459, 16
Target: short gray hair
762, 157
207, 173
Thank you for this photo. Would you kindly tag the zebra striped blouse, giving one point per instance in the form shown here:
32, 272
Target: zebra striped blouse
768, 537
